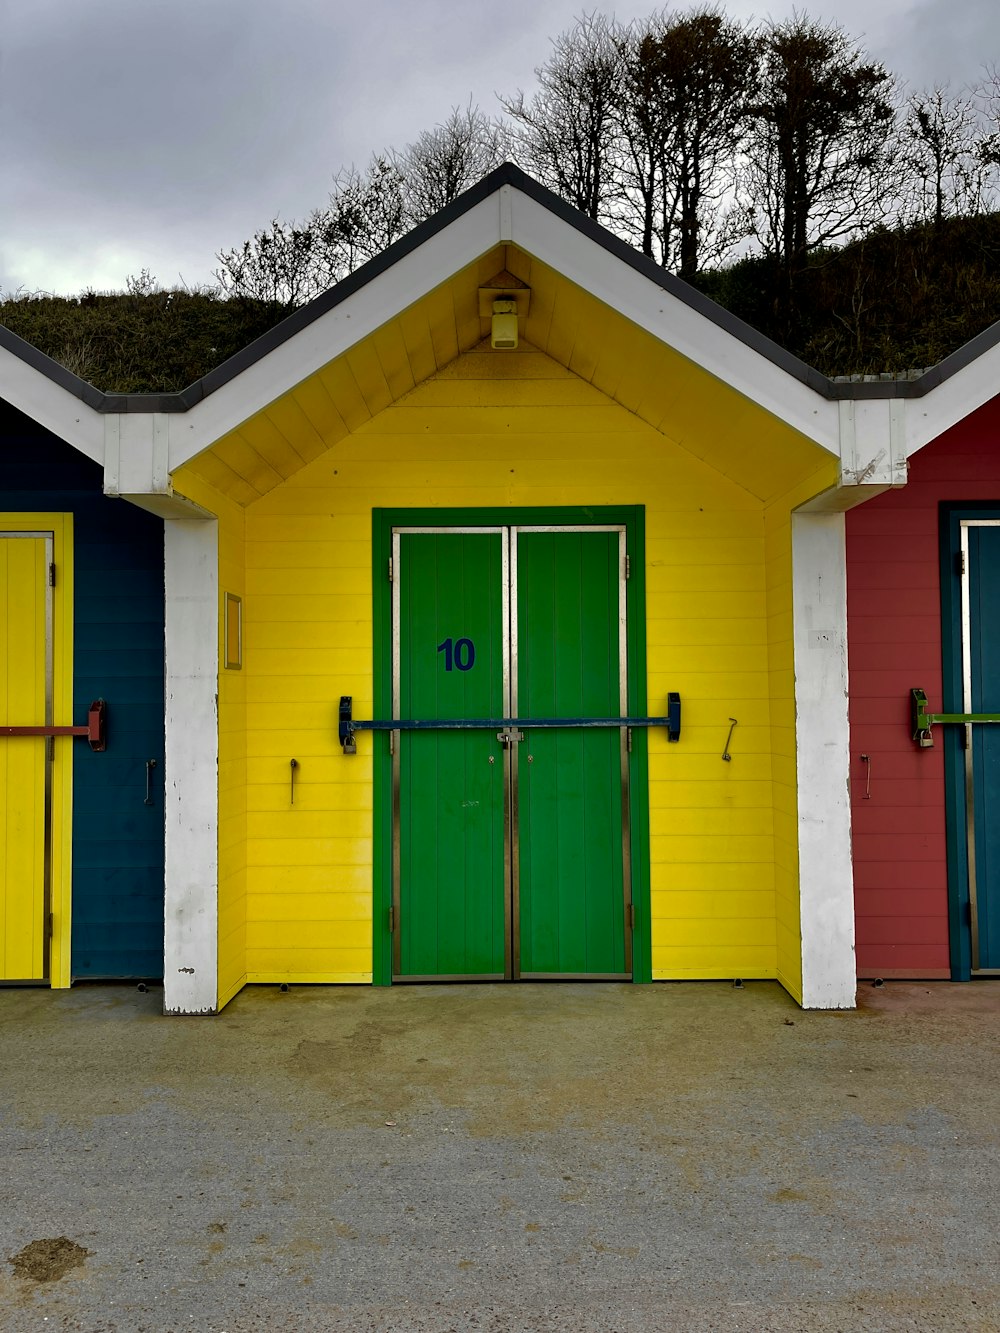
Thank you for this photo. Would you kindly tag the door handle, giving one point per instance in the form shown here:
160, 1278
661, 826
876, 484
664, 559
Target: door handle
150, 765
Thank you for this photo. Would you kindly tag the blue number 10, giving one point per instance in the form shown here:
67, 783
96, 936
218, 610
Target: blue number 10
459, 653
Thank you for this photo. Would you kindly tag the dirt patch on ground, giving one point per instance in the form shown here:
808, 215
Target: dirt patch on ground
48, 1260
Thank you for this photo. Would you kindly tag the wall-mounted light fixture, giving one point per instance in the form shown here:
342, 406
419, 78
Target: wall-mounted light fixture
503, 300
503, 334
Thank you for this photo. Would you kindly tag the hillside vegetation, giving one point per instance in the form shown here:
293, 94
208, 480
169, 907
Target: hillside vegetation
139, 341
894, 301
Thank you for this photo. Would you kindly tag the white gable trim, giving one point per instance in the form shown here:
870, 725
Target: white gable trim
952, 400
335, 332
507, 215
542, 234
51, 405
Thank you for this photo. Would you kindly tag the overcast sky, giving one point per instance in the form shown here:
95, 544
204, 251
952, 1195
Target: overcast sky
143, 134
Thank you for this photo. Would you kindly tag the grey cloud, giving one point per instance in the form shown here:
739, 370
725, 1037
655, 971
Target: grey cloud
164, 132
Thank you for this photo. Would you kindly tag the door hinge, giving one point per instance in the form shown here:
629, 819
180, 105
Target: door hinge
52, 925
390, 569
52, 576
630, 914
960, 562
392, 742
50, 748
392, 920
628, 566
628, 739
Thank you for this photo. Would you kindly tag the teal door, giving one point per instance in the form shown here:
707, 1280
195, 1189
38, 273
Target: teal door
981, 661
510, 842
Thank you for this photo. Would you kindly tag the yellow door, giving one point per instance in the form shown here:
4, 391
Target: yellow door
24, 563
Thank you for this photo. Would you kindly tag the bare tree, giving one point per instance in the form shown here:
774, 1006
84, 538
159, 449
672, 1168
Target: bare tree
365, 214
566, 135
946, 152
987, 98
446, 160
277, 265
818, 166
290, 263
688, 83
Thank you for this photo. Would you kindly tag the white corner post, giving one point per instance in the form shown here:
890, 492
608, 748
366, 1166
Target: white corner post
190, 943
826, 875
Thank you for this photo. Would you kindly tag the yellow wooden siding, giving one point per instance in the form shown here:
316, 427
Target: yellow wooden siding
515, 430
781, 670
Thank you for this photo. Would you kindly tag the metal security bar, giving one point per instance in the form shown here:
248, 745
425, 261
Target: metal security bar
922, 719
95, 730
507, 728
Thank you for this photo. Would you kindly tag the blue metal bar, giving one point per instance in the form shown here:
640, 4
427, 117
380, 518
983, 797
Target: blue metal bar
496, 723
348, 725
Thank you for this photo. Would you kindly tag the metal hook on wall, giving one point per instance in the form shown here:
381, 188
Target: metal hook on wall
866, 759
726, 756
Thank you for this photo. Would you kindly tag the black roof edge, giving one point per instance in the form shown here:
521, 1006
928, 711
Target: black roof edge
962, 356
669, 282
28, 353
507, 174
955, 361
322, 304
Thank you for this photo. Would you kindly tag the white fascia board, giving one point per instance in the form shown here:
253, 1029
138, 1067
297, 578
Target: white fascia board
135, 465
872, 453
51, 406
135, 453
823, 756
839, 499
168, 506
872, 441
191, 871
952, 400
389, 292
581, 260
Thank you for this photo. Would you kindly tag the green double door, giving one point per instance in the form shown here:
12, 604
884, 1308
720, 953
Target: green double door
510, 842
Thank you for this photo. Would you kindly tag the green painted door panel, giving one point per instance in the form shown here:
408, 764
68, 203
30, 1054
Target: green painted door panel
451, 883
570, 912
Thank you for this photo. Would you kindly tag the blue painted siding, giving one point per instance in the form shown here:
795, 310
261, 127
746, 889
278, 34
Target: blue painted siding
118, 656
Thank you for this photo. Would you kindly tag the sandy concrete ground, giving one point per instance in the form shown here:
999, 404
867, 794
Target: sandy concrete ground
591, 1158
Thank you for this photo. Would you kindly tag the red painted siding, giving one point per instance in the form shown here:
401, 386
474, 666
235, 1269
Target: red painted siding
894, 636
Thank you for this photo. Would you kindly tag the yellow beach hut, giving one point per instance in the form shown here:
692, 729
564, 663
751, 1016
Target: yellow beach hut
505, 625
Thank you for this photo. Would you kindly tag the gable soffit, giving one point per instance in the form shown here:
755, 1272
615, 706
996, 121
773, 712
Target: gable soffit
506, 207
627, 364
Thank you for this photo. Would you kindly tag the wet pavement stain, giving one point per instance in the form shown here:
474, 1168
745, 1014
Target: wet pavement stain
48, 1260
